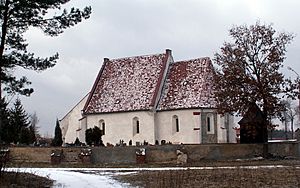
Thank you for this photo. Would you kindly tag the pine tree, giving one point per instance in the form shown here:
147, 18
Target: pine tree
4, 121
25, 136
18, 122
16, 17
57, 141
33, 126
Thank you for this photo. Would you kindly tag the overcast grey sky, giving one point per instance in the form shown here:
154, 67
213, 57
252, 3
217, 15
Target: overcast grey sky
119, 28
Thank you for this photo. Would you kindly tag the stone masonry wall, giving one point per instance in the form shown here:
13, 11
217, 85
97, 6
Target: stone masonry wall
158, 154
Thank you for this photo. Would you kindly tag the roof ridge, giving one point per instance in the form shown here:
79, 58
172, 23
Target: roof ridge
129, 57
200, 58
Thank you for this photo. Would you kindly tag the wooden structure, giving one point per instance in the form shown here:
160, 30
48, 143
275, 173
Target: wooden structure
252, 126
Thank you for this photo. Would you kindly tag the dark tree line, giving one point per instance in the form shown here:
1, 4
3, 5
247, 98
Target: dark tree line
16, 127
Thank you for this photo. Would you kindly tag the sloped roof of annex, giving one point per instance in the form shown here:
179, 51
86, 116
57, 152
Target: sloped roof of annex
189, 84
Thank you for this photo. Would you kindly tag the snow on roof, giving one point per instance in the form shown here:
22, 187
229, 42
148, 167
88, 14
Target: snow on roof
132, 84
126, 84
188, 85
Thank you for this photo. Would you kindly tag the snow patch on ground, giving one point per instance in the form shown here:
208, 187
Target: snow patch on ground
102, 177
83, 178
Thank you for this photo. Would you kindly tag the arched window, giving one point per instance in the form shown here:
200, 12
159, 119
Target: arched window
175, 124
136, 125
208, 124
102, 126
210, 127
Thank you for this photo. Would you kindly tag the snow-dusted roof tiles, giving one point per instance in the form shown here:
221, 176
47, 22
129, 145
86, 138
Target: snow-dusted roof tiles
126, 84
188, 85
134, 83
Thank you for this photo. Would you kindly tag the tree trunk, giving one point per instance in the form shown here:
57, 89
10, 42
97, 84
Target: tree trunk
265, 138
292, 127
2, 44
265, 130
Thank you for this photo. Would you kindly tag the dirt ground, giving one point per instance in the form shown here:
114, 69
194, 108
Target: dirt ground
23, 180
286, 175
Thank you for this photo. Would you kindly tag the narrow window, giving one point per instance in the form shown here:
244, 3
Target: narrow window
175, 124
137, 127
208, 124
102, 126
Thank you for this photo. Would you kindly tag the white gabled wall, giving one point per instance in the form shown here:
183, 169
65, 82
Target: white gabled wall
71, 124
120, 126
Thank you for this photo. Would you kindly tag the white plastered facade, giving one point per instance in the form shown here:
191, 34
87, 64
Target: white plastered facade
73, 125
159, 126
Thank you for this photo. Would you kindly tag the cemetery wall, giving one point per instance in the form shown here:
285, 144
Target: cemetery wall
157, 154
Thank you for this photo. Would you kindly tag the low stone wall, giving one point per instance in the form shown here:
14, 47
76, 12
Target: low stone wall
114, 155
158, 154
42, 154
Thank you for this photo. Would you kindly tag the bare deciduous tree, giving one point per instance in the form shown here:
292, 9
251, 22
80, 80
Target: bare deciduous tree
248, 70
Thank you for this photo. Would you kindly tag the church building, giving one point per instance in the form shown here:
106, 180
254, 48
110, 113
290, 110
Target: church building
151, 99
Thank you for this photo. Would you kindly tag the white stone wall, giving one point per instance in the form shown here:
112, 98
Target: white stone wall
232, 132
189, 127
187, 123
119, 126
71, 124
223, 130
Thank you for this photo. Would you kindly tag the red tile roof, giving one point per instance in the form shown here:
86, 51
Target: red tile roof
188, 85
135, 83
127, 84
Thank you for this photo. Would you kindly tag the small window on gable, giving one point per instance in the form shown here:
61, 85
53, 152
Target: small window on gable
175, 124
210, 124
136, 125
102, 126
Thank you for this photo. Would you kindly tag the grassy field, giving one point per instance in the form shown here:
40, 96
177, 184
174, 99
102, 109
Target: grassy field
280, 177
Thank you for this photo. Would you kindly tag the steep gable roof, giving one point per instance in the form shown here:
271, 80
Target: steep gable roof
81, 101
188, 85
127, 84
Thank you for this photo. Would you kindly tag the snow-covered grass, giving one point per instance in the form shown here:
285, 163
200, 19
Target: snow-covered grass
65, 177
103, 177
